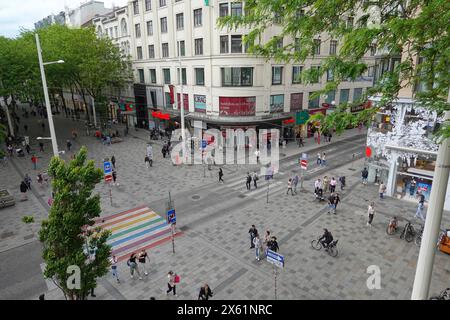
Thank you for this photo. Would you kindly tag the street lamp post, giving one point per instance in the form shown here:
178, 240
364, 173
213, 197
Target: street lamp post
47, 100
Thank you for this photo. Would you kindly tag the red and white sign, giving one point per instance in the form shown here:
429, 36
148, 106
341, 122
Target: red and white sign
108, 178
304, 164
237, 106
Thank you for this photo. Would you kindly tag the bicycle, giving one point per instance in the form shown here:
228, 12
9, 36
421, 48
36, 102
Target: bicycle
330, 249
392, 226
418, 239
408, 232
444, 295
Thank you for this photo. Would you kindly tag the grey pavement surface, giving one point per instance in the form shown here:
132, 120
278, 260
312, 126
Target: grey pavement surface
215, 219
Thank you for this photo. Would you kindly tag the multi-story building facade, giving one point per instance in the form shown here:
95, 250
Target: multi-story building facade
222, 85
82, 15
401, 140
59, 18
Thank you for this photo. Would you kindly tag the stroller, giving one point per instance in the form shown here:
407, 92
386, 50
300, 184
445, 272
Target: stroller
20, 152
318, 193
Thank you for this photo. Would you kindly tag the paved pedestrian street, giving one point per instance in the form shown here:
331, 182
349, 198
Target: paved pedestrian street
212, 243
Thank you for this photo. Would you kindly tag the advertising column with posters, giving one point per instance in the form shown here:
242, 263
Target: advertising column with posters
237, 106
199, 103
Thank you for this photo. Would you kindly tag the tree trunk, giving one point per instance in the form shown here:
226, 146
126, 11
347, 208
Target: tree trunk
88, 116
61, 92
75, 109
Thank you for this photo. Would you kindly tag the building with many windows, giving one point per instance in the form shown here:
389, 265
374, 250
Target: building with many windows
221, 84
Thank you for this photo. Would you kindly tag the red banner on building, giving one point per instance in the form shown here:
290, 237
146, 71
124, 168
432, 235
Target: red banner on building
237, 106
172, 97
186, 101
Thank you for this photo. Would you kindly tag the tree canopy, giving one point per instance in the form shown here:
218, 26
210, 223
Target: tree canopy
410, 29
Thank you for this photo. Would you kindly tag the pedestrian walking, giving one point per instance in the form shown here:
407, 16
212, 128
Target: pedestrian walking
205, 292
412, 187
419, 211
69, 145
150, 154
164, 150
326, 183
382, 190
364, 175
113, 161
142, 258
23, 189
319, 159
114, 176
147, 161
171, 283
27, 181
330, 203
113, 261
289, 187
41, 146
342, 182
248, 180
266, 240
34, 161
300, 141
258, 246
273, 244
318, 187
371, 213
27, 148
324, 161
295, 181
133, 266
221, 175
253, 232
255, 179
257, 153
337, 199
333, 184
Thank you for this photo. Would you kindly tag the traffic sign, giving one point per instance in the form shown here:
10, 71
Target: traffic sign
204, 144
304, 164
108, 177
171, 216
304, 156
275, 258
107, 169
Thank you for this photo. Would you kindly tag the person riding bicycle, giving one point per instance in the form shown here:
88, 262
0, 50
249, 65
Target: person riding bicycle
326, 238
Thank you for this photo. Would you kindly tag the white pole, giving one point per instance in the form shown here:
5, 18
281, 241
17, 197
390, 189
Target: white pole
430, 235
183, 135
47, 100
93, 110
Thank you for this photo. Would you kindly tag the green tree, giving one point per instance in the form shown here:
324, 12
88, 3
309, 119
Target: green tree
65, 235
410, 29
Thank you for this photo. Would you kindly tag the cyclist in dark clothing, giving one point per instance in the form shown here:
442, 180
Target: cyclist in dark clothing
326, 238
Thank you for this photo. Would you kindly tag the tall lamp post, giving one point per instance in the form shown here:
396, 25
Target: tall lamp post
47, 100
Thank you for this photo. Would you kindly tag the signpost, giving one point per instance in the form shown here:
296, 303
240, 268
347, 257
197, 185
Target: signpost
278, 262
107, 170
172, 220
303, 166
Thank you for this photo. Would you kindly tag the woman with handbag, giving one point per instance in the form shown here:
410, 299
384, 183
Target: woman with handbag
171, 284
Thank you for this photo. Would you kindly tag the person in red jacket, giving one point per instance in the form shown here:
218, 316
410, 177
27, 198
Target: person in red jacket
34, 161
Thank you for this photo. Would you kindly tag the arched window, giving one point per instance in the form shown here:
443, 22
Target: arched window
123, 27
99, 31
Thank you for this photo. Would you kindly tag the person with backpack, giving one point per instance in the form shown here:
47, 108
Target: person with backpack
171, 283
364, 175
205, 292
295, 181
253, 232
133, 266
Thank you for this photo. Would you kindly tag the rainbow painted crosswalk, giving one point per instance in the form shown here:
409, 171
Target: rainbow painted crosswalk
134, 230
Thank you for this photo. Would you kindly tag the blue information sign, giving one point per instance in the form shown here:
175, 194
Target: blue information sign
107, 167
275, 258
171, 216
204, 144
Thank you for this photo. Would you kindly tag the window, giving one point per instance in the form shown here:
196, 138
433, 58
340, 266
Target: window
297, 45
164, 25
313, 103
237, 77
137, 30
316, 46
111, 32
277, 103
115, 32
136, 8
296, 74
165, 50
277, 18
236, 44
183, 75
180, 21
344, 95
152, 75
373, 50
224, 44
236, 9
223, 9
350, 21
162, 3
183, 50
277, 75
197, 17
333, 47
139, 53
198, 47
357, 94
150, 28
370, 71
280, 43
141, 75
330, 75
148, 5
200, 76
151, 51
300, 13
123, 27
166, 75
316, 74
331, 96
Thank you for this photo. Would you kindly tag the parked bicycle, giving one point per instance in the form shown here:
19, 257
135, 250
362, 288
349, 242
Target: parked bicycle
418, 240
392, 226
330, 249
444, 295
408, 232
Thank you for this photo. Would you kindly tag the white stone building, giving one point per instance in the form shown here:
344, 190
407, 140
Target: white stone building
222, 84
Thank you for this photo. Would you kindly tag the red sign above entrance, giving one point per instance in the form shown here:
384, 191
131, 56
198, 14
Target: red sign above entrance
237, 106
160, 115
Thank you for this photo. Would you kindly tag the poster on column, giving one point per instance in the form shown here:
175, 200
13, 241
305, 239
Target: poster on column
199, 103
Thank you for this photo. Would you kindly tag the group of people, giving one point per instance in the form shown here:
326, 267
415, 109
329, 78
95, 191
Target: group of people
261, 245
292, 184
328, 185
321, 159
248, 180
